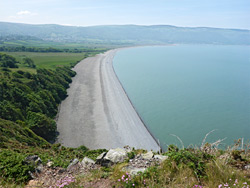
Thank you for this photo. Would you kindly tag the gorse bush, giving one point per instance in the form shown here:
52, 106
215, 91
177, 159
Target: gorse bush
194, 159
12, 166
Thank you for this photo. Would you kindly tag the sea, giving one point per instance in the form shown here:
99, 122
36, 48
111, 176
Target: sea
184, 92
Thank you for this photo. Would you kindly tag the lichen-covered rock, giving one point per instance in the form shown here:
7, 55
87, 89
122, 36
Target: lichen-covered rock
100, 158
73, 164
161, 158
49, 164
33, 160
133, 170
117, 155
149, 155
36, 162
87, 161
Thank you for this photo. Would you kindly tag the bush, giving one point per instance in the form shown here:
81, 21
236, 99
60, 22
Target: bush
12, 166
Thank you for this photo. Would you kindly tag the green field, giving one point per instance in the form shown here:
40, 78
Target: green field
49, 60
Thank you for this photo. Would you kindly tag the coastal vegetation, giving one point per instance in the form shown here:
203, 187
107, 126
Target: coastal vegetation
29, 99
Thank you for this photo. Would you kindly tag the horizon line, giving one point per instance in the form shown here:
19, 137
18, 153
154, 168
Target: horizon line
145, 25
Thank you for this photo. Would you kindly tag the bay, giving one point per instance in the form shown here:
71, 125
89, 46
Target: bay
189, 90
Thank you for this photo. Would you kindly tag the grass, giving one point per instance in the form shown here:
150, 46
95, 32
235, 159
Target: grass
187, 168
49, 60
172, 173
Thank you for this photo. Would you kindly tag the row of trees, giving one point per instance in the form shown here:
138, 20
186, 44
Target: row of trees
10, 62
32, 99
36, 49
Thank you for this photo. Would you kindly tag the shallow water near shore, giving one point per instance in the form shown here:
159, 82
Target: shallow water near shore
189, 90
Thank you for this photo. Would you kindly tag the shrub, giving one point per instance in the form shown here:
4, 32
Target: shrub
12, 166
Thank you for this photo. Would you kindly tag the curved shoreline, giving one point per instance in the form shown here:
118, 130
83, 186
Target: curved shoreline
98, 113
134, 107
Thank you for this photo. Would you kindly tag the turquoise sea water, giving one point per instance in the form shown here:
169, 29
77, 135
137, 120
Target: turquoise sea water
189, 90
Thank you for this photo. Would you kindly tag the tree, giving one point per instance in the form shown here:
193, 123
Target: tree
29, 62
8, 61
41, 125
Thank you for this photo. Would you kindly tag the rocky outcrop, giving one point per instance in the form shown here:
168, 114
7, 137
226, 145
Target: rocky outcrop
49, 175
147, 156
113, 156
73, 165
87, 162
36, 162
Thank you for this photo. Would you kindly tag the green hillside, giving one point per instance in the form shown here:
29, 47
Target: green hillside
125, 34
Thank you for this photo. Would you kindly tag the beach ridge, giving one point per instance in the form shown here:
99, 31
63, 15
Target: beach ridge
98, 113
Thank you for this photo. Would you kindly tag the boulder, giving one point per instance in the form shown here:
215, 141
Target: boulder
161, 158
87, 161
247, 167
117, 155
100, 158
133, 170
73, 164
147, 156
39, 168
49, 164
33, 160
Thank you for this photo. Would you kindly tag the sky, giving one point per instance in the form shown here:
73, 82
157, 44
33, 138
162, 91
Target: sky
186, 13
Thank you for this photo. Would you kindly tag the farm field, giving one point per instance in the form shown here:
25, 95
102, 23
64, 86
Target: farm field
49, 60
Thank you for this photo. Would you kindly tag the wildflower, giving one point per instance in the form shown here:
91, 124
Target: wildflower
133, 184
220, 186
245, 183
119, 179
226, 185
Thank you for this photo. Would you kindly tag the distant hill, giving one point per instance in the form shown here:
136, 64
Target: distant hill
131, 34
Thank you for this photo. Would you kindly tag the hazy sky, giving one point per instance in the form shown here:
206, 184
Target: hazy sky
209, 13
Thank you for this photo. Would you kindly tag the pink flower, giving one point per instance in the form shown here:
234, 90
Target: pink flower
119, 180
220, 186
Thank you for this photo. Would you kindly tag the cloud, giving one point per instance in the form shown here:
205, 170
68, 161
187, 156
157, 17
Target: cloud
24, 12
22, 15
